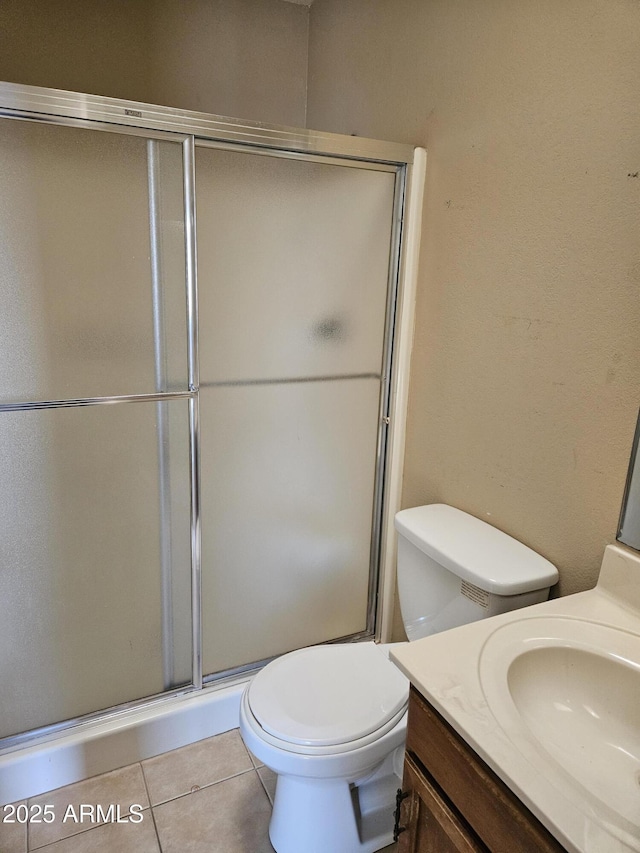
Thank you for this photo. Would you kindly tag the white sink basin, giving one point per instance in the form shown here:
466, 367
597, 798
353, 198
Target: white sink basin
566, 692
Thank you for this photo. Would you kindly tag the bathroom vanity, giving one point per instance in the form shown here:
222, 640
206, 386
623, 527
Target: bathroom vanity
523, 728
452, 802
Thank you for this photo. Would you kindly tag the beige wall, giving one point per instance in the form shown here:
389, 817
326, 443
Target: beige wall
525, 379
93, 47
243, 58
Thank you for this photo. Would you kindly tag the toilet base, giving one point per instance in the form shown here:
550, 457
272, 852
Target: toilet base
321, 815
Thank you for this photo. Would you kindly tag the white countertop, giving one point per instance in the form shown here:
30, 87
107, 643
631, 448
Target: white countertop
445, 668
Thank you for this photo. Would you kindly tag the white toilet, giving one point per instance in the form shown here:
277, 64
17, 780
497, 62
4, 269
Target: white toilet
331, 720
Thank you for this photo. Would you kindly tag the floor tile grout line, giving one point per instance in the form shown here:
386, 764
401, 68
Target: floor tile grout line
262, 782
64, 838
160, 847
204, 787
29, 800
83, 831
153, 816
252, 759
254, 766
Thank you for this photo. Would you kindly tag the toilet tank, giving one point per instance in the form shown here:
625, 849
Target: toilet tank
454, 568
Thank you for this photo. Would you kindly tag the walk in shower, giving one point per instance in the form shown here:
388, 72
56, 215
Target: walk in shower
197, 385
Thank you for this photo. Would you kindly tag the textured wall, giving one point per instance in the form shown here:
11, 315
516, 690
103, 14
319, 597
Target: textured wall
525, 378
94, 47
244, 58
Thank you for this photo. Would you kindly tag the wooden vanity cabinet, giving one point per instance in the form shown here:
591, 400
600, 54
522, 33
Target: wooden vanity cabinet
452, 802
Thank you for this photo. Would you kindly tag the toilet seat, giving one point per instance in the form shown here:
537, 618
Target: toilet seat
330, 796
328, 699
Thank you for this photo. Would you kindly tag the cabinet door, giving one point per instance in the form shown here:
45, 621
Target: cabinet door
491, 811
431, 826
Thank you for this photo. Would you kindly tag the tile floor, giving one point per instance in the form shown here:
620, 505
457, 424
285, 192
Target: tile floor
209, 797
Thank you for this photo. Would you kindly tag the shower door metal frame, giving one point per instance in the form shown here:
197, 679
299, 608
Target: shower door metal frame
93, 112
384, 377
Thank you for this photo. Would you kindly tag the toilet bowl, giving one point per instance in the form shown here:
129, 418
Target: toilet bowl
331, 720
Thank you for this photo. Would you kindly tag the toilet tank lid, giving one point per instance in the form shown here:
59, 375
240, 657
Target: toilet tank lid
474, 550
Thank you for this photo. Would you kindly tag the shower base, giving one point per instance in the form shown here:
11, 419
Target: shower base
96, 747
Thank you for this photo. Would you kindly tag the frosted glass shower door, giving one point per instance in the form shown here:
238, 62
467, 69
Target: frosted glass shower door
293, 269
92, 487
